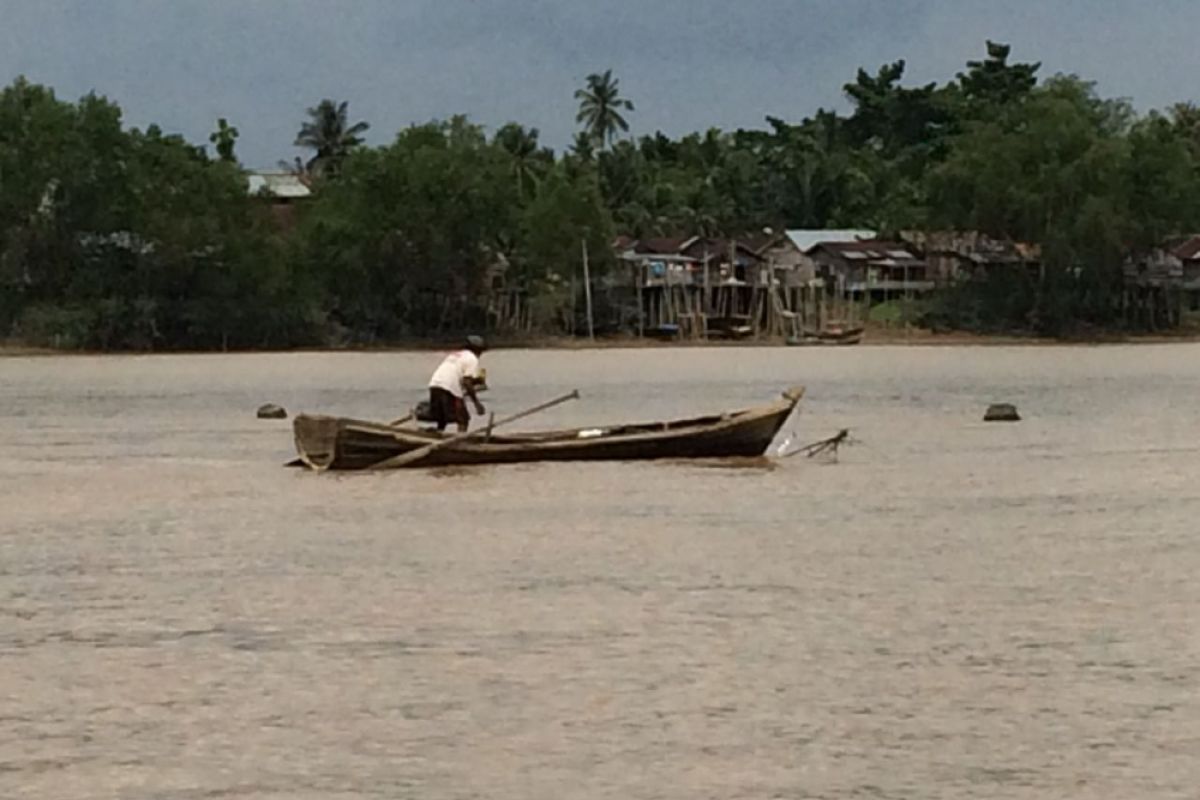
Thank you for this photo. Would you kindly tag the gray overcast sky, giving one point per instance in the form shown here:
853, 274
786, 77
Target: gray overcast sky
687, 64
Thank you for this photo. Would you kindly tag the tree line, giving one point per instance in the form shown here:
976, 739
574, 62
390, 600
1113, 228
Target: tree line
118, 238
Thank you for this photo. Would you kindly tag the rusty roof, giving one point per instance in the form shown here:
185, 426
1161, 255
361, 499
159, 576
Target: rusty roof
716, 249
973, 245
1188, 250
664, 245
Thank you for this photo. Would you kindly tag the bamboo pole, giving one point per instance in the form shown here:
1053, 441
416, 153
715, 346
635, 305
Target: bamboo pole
641, 308
587, 292
706, 305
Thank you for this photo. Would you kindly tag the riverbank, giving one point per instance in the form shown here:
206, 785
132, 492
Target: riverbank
873, 336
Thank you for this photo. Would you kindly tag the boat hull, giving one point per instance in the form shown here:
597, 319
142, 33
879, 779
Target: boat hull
823, 341
346, 444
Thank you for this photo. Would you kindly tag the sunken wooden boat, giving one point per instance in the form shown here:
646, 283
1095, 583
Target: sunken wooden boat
339, 443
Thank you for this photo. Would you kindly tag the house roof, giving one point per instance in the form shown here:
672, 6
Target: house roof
806, 239
875, 252
716, 249
665, 245
759, 242
971, 245
623, 243
689, 248
1188, 250
633, 257
283, 185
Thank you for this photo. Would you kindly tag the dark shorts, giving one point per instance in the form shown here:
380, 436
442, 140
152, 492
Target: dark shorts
446, 409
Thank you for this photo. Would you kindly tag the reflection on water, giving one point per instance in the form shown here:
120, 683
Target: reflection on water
952, 609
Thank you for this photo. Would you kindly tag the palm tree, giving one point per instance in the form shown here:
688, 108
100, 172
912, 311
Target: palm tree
600, 107
528, 159
296, 167
329, 133
583, 147
224, 138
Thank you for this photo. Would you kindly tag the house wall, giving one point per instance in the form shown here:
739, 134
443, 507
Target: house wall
792, 267
838, 271
284, 215
1191, 274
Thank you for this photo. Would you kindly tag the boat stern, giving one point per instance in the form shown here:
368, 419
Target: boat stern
316, 440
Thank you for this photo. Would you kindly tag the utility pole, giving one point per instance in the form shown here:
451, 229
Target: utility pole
587, 292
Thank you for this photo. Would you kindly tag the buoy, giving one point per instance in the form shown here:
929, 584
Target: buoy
271, 411
1002, 412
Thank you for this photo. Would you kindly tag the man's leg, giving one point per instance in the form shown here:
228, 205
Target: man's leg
461, 416
437, 407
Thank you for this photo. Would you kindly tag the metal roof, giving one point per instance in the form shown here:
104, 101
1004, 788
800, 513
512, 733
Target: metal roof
805, 240
277, 184
878, 253
651, 258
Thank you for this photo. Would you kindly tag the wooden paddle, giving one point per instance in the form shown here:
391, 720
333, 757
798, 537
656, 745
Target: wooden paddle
413, 456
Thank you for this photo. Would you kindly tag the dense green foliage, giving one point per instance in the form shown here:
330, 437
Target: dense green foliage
120, 238
128, 239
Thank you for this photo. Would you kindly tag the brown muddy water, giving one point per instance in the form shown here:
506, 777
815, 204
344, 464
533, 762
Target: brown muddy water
953, 610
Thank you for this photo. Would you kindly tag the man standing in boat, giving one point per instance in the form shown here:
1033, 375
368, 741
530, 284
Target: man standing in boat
454, 381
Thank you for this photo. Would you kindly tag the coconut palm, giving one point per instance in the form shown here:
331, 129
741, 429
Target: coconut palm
583, 147
529, 160
330, 135
600, 106
224, 138
296, 167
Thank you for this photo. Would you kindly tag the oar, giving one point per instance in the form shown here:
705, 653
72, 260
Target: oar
413, 456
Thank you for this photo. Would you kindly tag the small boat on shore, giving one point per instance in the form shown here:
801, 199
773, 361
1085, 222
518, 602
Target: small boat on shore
829, 336
340, 443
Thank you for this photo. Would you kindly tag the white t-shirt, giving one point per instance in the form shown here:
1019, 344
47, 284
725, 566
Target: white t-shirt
453, 369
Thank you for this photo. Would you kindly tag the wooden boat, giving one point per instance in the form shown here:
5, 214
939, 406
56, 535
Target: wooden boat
828, 336
823, 341
339, 443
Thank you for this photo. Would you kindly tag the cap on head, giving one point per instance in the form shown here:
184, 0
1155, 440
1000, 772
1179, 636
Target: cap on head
476, 344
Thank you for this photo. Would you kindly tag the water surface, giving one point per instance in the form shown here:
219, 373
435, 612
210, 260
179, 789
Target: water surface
953, 609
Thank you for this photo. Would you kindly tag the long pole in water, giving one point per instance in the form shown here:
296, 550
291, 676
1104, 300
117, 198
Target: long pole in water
587, 292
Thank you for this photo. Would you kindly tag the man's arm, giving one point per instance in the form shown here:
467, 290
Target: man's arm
469, 391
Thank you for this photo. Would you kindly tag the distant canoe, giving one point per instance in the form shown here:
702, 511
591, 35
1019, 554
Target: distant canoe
832, 336
345, 444
812, 341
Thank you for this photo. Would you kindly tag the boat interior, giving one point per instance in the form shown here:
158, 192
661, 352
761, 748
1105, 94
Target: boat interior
596, 432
